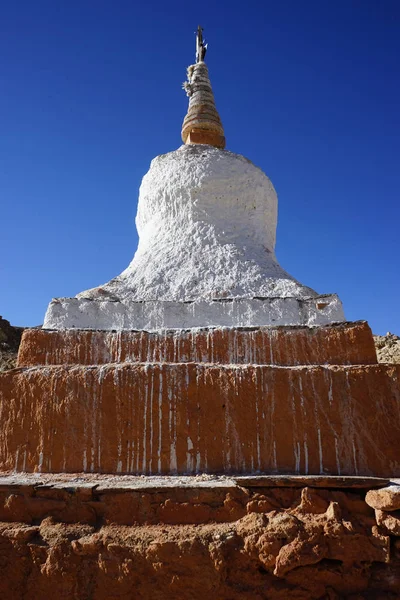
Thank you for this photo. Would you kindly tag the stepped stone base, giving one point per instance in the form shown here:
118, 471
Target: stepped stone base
194, 538
216, 400
193, 418
106, 314
343, 343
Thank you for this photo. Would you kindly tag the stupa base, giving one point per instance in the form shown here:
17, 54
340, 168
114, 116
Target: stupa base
177, 418
290, 400
85, 313
336, 344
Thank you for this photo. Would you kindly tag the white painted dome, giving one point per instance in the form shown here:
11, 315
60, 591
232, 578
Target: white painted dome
207, 223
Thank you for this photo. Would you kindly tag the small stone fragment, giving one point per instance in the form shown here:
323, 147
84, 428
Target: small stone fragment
389, 521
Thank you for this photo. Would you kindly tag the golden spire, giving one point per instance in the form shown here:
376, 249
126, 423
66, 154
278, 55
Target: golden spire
202, 124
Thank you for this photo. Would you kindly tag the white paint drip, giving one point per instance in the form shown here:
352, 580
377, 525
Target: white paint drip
16, 460
199, 370
271, 344
258, 419
117, 385
189, 456
275, 457
173, 417
301, 392
337, 456
330, 393
151, 421
305, 455
160, 398
297, 457
355, 458
144, 462
321, 462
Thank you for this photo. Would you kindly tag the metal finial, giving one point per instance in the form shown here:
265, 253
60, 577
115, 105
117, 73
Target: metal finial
201, 47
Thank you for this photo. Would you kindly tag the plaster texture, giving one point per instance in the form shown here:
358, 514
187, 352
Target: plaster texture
84, 313
207, 223
165, 419
346, 343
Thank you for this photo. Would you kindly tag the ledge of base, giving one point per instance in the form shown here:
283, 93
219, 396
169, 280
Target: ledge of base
83, 313
109, 482
335, 344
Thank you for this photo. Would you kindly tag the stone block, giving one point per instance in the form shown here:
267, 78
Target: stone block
387, 498
388, 521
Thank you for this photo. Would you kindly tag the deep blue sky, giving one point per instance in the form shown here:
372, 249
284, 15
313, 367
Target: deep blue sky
91, 92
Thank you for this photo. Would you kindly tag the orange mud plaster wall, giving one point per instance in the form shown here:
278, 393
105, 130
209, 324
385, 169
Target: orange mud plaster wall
337, 344
165, 418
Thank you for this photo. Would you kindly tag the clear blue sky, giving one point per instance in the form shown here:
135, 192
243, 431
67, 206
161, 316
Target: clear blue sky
91, 92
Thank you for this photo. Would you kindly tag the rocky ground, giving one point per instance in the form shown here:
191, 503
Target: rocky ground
10, 338
232, 542
388, 348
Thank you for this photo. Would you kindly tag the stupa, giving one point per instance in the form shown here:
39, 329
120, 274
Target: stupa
204, 355
206, 221
203, 425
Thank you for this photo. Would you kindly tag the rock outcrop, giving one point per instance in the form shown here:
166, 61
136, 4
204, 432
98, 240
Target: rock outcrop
94, 540
388, 348
10, 338
387, 499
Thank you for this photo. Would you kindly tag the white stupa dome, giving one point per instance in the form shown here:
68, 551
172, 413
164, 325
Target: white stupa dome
207, 225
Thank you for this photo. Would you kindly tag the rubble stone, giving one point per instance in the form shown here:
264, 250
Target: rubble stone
387, 498
192, 543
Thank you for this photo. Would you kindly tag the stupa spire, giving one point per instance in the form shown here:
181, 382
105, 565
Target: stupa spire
202, 124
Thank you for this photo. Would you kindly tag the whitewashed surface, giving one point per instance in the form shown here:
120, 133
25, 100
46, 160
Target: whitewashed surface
207, 225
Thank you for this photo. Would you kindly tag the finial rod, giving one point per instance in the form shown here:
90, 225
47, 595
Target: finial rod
202, 123
201, 47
